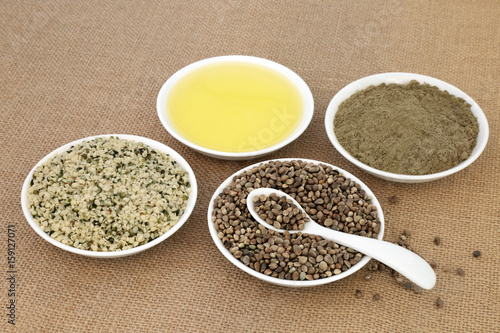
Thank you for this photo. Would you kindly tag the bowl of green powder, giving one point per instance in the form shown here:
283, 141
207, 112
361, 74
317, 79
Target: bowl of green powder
405, 127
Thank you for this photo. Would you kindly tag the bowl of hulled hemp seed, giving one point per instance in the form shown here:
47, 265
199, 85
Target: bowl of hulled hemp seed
405, 127
109, 196
331, 196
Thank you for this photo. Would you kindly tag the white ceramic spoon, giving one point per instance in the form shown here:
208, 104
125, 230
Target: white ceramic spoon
407, 263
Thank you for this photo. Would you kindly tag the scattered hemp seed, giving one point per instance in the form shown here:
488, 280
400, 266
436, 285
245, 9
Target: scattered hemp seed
437, 240
376, 297
439, 302
417, 289
359, 293
460, 271
408, 285
393, 200
476, 253
373, 266
403, 241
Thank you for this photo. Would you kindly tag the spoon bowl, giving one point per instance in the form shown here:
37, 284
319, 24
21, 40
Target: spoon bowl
407, 263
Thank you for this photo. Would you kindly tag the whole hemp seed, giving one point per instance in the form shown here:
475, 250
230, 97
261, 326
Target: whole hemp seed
439, 302
375, 265
280, 212
393, 200
408, 285
328, 197
476, 253
403, 241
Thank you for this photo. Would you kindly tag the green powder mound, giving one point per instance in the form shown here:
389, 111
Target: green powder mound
411, 129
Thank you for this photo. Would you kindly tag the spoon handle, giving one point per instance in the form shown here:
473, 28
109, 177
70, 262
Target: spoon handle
407, 263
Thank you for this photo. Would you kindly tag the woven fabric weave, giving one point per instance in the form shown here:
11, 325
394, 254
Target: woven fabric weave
71, 69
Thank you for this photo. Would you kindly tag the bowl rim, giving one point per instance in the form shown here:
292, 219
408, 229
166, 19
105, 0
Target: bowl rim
282, 282
293, 77
112, 254
402, 78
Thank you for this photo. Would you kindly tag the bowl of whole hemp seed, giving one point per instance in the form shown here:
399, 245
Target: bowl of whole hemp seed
329, 195
109, 196
405, 127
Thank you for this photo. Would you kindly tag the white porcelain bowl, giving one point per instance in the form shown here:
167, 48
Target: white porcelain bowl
283, 282
113, 254
161, 105
403, 78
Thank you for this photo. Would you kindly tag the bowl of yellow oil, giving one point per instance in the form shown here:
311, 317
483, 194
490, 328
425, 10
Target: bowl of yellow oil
235, 107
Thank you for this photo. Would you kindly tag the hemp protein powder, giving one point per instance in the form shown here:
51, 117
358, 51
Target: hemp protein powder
411, 129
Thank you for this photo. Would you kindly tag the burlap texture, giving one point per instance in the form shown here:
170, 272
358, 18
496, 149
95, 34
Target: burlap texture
71, 69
